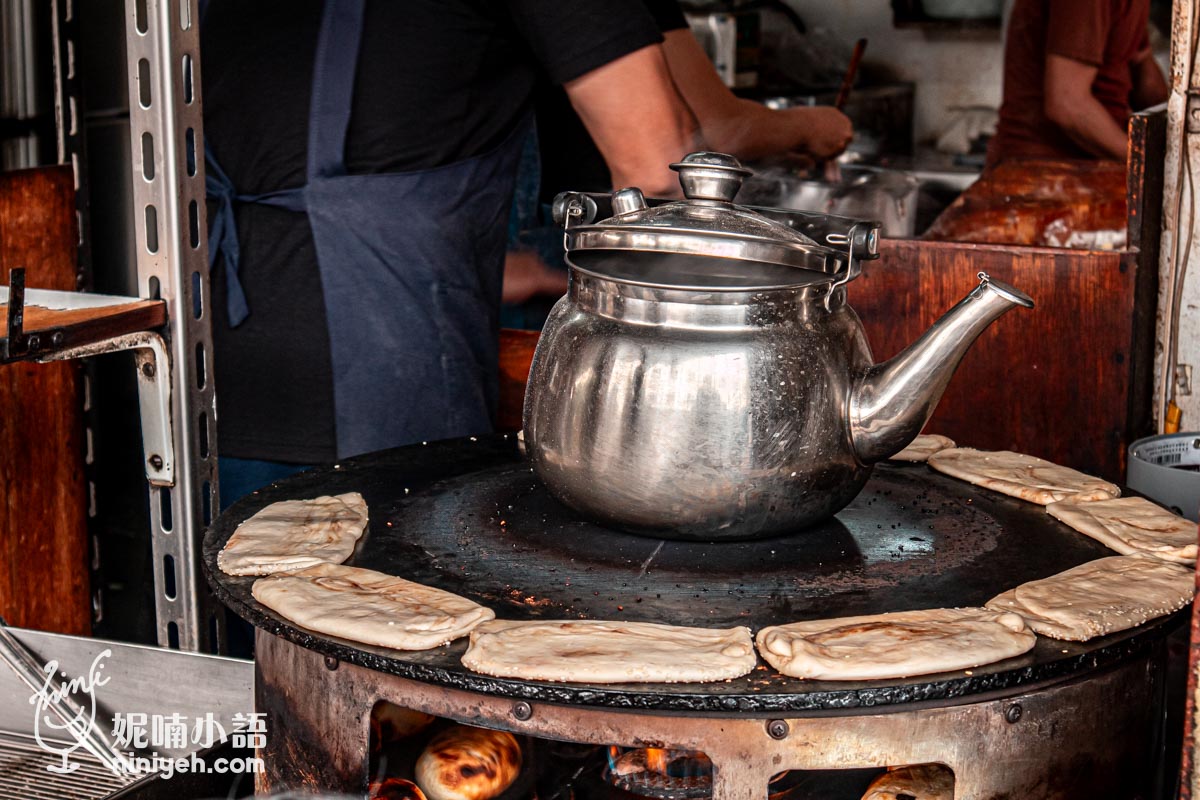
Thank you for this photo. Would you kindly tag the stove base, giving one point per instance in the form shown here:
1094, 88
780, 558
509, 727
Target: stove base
1097, 735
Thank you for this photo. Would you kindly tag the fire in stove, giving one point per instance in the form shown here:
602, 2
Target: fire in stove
660, 773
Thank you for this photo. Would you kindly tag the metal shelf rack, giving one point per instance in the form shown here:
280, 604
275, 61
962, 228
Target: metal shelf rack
167, 325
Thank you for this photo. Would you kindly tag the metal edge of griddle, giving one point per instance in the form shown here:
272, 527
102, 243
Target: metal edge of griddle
443, 460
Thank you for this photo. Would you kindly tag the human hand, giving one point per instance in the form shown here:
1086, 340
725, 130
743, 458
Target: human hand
823, 131
526, 276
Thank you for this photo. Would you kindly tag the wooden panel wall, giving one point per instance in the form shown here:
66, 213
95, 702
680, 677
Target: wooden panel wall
1054, 381
43, 504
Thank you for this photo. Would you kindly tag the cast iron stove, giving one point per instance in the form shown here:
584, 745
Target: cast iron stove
1064, 720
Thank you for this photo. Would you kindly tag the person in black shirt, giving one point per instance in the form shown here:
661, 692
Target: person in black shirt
360, 160
727, 123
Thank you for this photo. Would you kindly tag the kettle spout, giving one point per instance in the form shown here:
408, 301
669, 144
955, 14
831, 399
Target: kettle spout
892, 401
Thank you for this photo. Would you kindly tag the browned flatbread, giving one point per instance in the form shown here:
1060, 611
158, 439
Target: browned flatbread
295, 534
922, 447
1022, 476
595, 651
1132, 525
894, 645
467, 763
370, 607
1100, 597
394, 789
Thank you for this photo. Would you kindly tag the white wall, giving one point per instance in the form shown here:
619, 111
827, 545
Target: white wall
949, 67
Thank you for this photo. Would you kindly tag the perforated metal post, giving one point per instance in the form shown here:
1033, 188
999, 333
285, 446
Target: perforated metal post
163, 42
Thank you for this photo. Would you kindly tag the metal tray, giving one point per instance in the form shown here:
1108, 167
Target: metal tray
140, 680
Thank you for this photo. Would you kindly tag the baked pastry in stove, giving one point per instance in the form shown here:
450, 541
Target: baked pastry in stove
1022, 476
393, 723
918, 782
922, 447
1132, 525
294, 534
894, 645
595, 651
468, 763
395, 789
369, 607
1100, 597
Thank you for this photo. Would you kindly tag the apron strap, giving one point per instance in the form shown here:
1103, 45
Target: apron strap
223, 233
333, 86
223, 236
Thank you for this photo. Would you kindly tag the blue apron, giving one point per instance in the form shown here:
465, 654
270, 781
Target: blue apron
411, 266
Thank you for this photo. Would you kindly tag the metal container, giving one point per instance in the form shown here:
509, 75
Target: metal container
704, 377
888, 196
1167, 469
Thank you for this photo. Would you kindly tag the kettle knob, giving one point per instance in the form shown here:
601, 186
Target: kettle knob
711, 176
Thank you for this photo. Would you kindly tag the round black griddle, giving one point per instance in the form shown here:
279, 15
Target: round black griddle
469, 516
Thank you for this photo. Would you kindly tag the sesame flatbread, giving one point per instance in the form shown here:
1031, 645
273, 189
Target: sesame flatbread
295, 534
1132, 525
922, 447
1022, 476
593, 651
1100, 597
894, 645
362, 605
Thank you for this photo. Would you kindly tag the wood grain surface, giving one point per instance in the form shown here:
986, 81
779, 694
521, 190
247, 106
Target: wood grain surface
85, 325
516, 356
1054, 381
43, 503
1038, 203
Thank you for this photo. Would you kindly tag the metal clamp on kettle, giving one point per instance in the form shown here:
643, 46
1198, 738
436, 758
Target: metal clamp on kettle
704, 377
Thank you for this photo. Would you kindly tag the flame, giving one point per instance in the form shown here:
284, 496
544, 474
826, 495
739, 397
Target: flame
657, 760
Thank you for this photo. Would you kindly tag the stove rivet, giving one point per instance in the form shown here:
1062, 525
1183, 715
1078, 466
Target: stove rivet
1013, 712
331, 663
778, 729
522, 711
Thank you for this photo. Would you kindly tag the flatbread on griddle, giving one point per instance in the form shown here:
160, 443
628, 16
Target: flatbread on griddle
1132, 525
369, 607
294, 534
1022, 476
922, 447
1100, 597
594, 651
895, 645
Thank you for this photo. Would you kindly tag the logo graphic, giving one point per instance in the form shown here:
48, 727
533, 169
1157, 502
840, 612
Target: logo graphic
65, 720
55, 718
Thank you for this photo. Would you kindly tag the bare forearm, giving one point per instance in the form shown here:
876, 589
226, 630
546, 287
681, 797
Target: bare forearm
1149, 86
742, 127
1071, 106
637, 119
1090, 126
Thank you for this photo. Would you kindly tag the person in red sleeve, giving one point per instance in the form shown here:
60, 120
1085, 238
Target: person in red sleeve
1074, 71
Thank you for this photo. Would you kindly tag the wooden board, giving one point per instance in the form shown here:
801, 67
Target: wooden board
516, 356
43, 502
1039, 203
1054, 381
86, 325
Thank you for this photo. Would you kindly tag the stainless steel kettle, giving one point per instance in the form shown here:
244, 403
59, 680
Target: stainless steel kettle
704, 377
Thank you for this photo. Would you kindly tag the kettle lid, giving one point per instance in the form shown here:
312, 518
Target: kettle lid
698, 237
